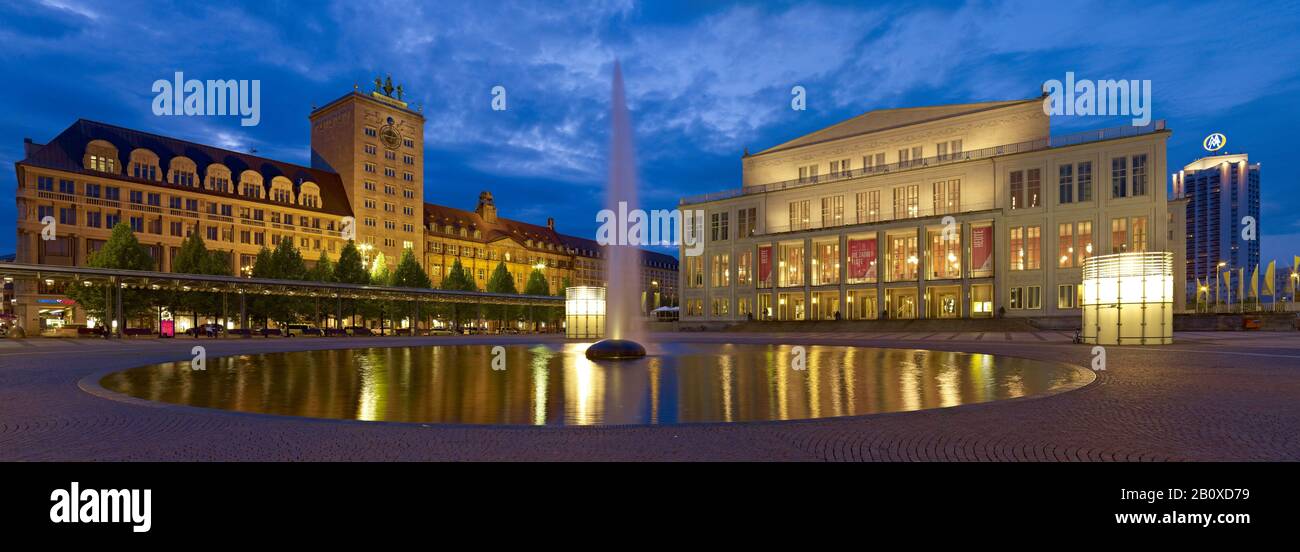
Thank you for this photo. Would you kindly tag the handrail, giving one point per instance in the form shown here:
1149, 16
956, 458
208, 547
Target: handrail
937, 160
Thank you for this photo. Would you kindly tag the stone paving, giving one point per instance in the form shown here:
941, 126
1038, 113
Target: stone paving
1210, 396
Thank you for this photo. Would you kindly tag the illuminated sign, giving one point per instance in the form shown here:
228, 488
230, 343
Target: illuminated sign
1215, 142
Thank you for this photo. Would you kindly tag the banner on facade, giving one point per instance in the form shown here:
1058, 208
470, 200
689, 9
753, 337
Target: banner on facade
862, 259
765, 263
981, 249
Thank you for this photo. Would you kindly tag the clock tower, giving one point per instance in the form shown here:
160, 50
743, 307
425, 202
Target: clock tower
375, 141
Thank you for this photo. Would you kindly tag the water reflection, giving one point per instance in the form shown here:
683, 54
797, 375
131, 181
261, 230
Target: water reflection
557, 385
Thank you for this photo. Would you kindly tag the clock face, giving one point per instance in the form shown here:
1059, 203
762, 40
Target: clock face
390, 137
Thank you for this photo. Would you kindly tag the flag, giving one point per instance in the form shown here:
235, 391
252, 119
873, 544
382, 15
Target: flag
1269, 282
1227, 284
1254, 282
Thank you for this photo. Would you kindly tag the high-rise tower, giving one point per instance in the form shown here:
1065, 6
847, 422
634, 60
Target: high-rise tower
375, 141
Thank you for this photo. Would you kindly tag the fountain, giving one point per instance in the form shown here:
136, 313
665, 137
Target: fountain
622, 311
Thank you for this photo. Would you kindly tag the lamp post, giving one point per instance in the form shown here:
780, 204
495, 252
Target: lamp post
1218, 268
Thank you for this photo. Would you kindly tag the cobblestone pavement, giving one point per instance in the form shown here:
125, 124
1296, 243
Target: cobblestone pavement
1210, 396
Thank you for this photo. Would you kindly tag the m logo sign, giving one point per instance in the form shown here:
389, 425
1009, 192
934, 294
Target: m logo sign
1215, 142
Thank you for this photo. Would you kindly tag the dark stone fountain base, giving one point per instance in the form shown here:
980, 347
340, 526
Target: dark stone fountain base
615, 349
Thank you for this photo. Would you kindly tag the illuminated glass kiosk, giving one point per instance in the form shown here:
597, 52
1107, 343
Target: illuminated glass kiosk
584, 312
1128, 299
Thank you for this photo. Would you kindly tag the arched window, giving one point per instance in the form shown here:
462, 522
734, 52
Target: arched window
101, 156
250, 184
182, 171
217, 178
144, 165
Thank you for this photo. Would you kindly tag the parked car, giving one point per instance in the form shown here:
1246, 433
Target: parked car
441, 331
335, 332
359, 331
206, 330
268, 332
295, 330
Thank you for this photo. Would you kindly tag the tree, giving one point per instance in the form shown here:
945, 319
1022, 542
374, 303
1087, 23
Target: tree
458, 279
193, 257
501, 282
537, 286
409, 275
350, 269
121, 251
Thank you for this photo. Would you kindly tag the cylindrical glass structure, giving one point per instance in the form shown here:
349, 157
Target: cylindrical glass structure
1128, 299
584, 312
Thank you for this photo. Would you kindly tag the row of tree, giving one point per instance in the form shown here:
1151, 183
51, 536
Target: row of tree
124, 251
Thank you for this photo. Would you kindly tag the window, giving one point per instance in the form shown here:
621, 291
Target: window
1118, 235
371, 149
137, 224
67, 216
43, 211
1085, 240
744, 268
906, 201
720, 270
694, 270
790, 265
1065, 245
799, 214
45, 183
93, 219
103, 164
1017, 192
1139, 226
832, 211
903, 259
840, 168
747, 222
944, 255
826, 263
947, 196
67, 187
720, 306
1017, 244
212, 233
1084, 178
371, 132
873, 161
1033, 246
1067, 296
1034, 188
1034, 297
1066, 184
1017, 298
808, 173
1119, 177
136, 196
112, 193
92, 190
1139, 175
112, 220
868, 206
719, 226
370, 167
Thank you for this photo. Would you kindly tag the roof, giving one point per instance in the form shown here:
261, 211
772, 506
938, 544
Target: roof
65, 152
594, 248
885, 119
520, 232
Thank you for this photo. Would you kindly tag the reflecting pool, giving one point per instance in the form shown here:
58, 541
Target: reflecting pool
557, 385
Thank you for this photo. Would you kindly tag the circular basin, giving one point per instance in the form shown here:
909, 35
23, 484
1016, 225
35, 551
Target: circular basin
557, 384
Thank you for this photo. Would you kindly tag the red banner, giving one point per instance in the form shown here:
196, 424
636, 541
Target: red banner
765, 263
862, 259
981, 247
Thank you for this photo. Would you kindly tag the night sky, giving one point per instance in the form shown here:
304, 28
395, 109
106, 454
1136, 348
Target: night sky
704, 81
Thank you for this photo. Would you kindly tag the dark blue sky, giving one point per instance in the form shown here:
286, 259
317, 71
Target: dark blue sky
704, 80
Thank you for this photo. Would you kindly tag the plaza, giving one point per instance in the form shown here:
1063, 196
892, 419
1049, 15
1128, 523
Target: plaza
1209, 396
